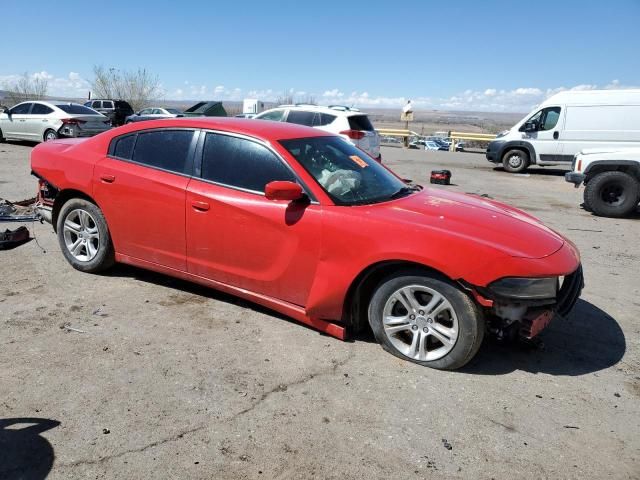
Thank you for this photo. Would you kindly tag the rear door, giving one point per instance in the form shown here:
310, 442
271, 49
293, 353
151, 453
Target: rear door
39, 120
140, 186
238, 237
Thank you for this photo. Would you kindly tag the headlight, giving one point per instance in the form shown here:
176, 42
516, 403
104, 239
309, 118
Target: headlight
525, 288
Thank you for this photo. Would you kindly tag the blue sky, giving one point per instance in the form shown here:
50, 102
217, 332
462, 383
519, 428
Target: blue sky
463, 55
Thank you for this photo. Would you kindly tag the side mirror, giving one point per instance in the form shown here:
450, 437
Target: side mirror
529, 127
4, 109
282, 190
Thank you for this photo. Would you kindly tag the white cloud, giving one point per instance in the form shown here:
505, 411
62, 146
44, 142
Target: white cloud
72, 86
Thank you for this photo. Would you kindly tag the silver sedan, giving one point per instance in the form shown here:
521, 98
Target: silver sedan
40, 121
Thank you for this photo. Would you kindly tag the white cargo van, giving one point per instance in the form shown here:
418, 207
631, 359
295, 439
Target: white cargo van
567, 123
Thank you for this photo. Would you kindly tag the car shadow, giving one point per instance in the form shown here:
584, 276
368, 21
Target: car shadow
586, 341
24, 453
143, 275
539, 171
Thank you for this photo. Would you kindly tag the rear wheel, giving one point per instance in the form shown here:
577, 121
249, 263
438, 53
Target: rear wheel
50, 135
84, 236
515, 161
612, 194
426, 320
2, 139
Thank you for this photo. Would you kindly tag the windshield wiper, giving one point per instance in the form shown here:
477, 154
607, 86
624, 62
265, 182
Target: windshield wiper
403, 192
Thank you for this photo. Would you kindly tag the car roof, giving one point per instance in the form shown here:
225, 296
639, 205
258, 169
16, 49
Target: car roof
265, 129
338, 110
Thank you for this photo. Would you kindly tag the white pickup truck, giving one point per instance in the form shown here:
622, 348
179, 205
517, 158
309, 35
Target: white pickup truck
611, 178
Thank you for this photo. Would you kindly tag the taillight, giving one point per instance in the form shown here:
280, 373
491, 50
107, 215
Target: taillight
353, 134
72, 121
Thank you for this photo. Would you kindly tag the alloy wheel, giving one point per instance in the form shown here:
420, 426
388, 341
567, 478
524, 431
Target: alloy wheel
81, 235
420, 323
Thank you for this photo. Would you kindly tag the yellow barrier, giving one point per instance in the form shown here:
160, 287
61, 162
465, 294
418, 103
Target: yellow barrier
454, 136
476, 137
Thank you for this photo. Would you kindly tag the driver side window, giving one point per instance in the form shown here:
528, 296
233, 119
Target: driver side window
21, 109
550, 118
543, 120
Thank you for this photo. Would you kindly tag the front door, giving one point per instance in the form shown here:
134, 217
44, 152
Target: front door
238, 237
544, 134
14, 125
140, 186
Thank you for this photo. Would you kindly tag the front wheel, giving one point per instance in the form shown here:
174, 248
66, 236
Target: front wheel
84, 236
426, 320
612, 194
515, 161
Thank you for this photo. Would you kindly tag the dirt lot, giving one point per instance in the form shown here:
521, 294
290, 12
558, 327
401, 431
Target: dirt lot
170, 380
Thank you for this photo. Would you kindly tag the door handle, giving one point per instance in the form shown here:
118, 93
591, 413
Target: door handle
555, 135
200, 206
107, 178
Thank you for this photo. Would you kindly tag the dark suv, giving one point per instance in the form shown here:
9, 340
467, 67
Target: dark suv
116, 110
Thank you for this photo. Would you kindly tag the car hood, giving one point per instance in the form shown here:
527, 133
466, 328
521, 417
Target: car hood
622, 153
474, 218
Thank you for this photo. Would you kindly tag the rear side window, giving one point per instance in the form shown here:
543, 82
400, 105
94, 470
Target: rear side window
165, 149
124, 106
76, 109
322, 119
123, 147
275, 116
300, 117
360, 122
107, 104
39, 109
241, 163
96, 104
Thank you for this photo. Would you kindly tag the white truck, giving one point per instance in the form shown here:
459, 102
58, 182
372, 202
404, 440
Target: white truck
567, 123
611, 178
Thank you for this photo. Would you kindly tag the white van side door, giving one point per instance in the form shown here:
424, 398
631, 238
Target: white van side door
543, 130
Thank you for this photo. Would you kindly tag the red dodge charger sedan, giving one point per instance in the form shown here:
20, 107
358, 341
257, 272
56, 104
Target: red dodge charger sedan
304, 223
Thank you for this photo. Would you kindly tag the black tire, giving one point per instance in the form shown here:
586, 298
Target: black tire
49, 135
104, 253
515, 161
612, 194
2, 139
470, 320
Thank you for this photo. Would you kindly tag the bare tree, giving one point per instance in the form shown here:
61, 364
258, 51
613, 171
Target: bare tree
27, 87
308, 99
138, 87
286, 98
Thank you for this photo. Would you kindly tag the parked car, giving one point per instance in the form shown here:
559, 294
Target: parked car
40, 121
116, 110
611, 179
349, 123
430, 145
206, 109
245, 115
153, 113
301, 222
566, 124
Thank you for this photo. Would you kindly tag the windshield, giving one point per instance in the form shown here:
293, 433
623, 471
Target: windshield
346, 173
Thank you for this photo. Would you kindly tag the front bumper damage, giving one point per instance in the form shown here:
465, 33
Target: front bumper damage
526, 319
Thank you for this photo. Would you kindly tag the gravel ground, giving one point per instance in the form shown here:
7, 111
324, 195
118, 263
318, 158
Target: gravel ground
171, 380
